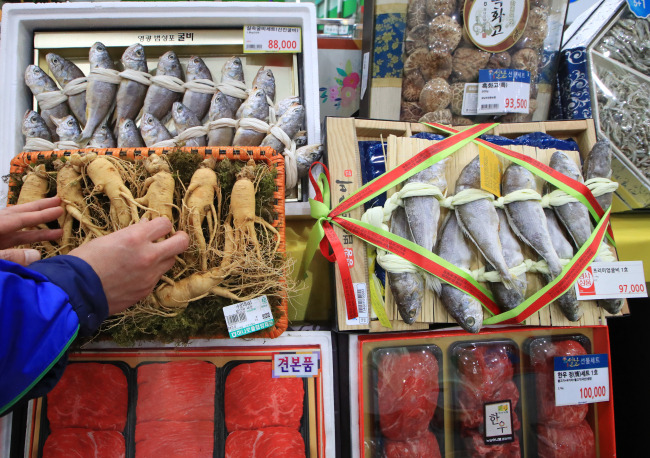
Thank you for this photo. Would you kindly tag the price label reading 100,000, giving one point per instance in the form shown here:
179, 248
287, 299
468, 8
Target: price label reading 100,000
283, 44
595, 392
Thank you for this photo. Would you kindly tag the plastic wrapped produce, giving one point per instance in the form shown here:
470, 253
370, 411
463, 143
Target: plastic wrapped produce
452, 41
486, 398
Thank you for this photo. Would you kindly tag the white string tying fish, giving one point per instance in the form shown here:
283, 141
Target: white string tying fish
76, 86
106, 75
169, 82
233, 88
204, 86
137, 76
51, 99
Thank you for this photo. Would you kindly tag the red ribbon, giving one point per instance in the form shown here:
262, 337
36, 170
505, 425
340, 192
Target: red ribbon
575, 184
419, 260
337, 255
567, 280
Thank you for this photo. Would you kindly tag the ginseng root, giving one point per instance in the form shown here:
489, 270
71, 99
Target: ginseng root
242, 212
107, 180
198, 205
69, 189
159, 188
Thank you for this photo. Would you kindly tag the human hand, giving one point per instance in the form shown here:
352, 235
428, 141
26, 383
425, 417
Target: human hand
130, 262
27, 216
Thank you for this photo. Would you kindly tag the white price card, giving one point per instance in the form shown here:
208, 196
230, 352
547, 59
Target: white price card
470, 99
503, 90
265, 39
581, 379
296, 364
612, 280
361, 294
250, 316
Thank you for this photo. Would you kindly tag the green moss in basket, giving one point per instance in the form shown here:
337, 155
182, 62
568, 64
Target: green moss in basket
202, 318
183, 165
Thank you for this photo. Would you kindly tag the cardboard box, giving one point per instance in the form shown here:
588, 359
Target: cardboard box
21, 21
344, 166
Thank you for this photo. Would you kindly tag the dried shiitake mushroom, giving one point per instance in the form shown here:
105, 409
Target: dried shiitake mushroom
416, 14
461, 121
435, 95
444, 34
457, 94
437, 7
466, 62
440, 117
423, 65
411, 90
500, 60
417, 38
536, 29
526, 59
410, 112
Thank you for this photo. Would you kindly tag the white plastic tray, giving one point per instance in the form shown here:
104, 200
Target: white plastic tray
19, 21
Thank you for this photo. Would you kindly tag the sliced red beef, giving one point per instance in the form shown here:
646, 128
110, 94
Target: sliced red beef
89, 395
472, 404
542, 361
255, 400
174, 439
67, 443
486, 367
265, 443
563, 442
407, 385
475, 447
425, 446
179, 390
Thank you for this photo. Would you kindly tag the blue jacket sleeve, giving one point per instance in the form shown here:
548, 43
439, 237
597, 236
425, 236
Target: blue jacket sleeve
42, 309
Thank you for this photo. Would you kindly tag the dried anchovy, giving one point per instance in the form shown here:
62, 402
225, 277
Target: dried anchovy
623, 116
628, 42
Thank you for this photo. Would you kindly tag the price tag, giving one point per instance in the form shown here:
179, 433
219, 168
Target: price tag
296, 364
612, 280
581, 379
498, 422
250, 316
503, 91
272, 39
361, 293
490, 171
470, 99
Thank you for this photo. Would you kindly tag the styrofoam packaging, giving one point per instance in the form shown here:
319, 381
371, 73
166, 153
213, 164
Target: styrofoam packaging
19, 21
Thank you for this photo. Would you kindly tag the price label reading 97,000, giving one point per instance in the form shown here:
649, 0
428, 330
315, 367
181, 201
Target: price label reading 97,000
272, 39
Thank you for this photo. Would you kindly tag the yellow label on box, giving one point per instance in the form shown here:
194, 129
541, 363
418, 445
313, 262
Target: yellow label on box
490, 171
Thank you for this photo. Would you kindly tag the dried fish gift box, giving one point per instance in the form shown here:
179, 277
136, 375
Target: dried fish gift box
605, 74
187, 75
454, 207
450, 393
200, 400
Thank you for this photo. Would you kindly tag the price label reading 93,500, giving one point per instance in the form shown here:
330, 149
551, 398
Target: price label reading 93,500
272, 39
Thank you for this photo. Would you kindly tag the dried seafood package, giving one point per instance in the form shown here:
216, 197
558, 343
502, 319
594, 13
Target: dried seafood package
447, 44
604, 74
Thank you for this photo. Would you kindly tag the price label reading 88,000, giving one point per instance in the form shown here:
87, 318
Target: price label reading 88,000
272, 39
